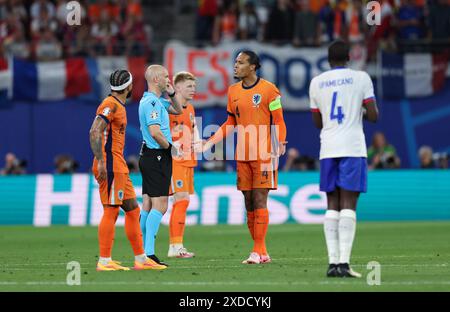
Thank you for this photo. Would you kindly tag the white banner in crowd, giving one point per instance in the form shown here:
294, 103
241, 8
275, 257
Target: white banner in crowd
290, 69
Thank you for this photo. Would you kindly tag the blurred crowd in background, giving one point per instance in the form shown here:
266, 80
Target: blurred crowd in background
314, 23
380, 155
39, 30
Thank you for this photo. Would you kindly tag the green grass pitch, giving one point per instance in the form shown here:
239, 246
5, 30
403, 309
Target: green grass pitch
413, 257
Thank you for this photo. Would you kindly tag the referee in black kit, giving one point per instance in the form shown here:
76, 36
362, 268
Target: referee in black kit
155, 162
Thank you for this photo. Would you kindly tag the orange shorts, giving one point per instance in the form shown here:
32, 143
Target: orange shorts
182, 179
256, 175
116, 188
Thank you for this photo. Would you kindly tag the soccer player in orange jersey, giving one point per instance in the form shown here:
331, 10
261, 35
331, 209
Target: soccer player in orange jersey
184, 135
107, 138
254, 108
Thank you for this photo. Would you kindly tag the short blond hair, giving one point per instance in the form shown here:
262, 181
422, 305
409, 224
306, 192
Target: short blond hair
183, 76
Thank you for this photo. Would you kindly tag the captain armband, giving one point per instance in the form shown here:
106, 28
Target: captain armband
275, 104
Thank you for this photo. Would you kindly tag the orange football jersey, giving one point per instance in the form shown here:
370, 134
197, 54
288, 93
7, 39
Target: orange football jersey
182, 128
113, 139
251, 108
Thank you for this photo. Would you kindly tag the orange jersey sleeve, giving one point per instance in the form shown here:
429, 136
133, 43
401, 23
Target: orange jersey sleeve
228, 126
278, 120
225, 129
276, 112
182, 129
113, 138
107, 109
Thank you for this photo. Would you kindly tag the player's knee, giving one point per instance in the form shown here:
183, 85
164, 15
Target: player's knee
248, 200
146, 203
349, 200
129, 204
160, 204
333, 201
348, 204
248, 203
259, 199
333, 204
181, 196
132, 208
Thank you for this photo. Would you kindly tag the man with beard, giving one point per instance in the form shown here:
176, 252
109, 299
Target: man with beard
107, 139
254, 108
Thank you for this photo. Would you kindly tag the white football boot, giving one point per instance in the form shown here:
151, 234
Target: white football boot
254, 258
177, 251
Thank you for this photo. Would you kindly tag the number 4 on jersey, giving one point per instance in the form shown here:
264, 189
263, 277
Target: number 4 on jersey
339, 116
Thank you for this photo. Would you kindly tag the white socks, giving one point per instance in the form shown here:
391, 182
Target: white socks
330, 227
140, 258
347, 229
176, 246
339, 229
104, 261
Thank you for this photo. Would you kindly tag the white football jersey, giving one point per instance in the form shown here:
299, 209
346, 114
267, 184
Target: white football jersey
339, 95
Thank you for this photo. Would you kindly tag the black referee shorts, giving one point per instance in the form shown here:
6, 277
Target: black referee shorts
156, 170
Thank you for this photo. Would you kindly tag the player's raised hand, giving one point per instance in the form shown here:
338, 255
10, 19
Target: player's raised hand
206, 146
177, 151
282, 149
101, 171
198, 145
169, 88
280, 152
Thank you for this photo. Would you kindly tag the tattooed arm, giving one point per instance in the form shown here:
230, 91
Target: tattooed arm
95, 138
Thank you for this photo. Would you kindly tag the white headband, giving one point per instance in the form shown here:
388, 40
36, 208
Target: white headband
124, 86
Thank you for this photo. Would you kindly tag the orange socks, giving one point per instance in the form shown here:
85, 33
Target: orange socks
133, 231
177, 221
106, 230
260, 230
251, 223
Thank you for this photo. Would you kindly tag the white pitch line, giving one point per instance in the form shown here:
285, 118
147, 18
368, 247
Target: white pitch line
8, 283
319, 259
260, 283
46, 264
193, 267
62, 266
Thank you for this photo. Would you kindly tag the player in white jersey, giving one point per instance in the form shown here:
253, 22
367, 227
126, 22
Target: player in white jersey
340, 98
